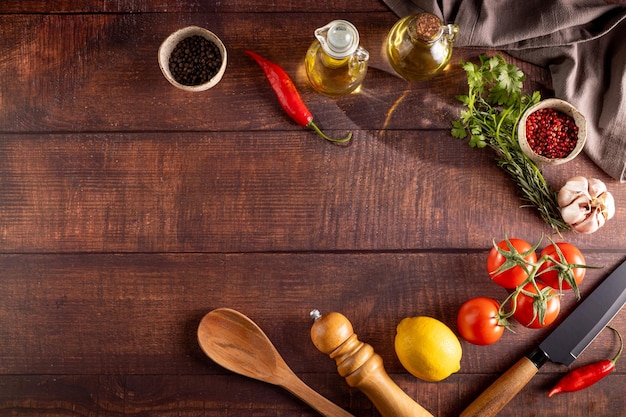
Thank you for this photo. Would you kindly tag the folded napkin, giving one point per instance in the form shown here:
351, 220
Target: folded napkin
581, 42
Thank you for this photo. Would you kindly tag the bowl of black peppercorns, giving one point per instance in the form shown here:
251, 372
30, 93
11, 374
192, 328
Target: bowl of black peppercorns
193, 59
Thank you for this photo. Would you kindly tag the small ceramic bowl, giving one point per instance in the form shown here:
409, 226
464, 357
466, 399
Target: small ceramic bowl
168, 45
563, 107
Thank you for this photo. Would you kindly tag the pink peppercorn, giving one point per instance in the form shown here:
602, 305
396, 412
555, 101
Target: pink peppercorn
551, 133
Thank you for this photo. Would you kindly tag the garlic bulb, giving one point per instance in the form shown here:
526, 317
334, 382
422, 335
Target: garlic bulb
585, 204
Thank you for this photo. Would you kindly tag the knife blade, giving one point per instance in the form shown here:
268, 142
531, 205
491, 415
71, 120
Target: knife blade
563, 345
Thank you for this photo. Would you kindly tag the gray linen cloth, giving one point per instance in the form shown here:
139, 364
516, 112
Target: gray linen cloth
581, 42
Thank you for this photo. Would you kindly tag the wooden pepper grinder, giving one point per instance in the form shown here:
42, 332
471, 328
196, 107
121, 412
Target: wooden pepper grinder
362, 368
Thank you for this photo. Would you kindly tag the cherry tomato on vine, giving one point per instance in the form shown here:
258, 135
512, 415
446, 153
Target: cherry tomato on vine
515, 275
534, 313
478, 321
571, 255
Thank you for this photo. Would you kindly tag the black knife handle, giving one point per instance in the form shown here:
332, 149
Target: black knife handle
538, 357
494, 398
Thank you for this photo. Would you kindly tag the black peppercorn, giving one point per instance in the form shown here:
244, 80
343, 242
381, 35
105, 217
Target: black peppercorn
195, 60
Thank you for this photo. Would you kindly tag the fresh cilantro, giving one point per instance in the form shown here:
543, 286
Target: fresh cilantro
458, 130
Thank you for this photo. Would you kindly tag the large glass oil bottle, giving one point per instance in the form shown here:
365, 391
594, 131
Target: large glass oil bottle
335, 62
419, 46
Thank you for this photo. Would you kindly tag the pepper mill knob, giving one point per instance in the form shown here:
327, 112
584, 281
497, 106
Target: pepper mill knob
332, 334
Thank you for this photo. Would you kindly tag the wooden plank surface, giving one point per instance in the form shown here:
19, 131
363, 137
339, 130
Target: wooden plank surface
134, 317
261, 191
105, 77
129, 209
189, 6
142, 309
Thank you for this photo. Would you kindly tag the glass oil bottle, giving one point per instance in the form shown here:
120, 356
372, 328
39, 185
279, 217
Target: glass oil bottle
335, 62
419, 46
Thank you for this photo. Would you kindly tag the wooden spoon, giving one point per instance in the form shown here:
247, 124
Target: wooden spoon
235, 342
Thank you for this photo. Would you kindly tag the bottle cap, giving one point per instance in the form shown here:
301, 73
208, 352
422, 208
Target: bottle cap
339, 38
428, 26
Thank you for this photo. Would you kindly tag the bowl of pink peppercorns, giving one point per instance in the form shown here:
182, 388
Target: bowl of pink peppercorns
552, 132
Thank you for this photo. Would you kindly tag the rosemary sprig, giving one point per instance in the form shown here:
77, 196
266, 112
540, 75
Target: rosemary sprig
493, 107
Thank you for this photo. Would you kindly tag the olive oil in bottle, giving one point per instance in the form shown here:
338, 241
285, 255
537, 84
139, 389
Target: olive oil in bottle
335, 62
419, 46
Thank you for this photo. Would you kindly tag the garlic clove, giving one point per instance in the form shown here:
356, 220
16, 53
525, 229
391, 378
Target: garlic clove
609, 206
600, 219
589, 225
574, 188
596, 187
576, 211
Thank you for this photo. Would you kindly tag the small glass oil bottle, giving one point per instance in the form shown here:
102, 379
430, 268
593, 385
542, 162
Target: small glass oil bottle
419, 46
335, 62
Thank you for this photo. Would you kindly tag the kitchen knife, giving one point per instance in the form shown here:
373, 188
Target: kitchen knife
563, 345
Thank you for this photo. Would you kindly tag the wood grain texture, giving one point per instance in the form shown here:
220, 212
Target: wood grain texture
125, 313
105, 77
272, 191
75, 324
187, 6
129, 209
503, 390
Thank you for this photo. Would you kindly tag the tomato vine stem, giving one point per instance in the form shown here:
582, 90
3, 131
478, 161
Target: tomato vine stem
541, 295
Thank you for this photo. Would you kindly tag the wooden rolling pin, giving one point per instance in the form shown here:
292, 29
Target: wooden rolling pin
362, 368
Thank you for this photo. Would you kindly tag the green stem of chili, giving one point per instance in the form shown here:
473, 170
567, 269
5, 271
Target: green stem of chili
313, 126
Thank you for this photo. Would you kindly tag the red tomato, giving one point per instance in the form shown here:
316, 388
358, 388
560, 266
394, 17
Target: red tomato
569, 276
528, 310
478, 322
515, 275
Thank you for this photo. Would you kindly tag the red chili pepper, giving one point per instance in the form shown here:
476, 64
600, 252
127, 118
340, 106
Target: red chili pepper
289, 97
587, 375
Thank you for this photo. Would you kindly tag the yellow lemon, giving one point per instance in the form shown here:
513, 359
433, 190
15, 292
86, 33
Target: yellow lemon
427, 348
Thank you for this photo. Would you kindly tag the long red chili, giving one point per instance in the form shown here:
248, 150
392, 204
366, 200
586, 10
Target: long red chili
587, 375
289, 97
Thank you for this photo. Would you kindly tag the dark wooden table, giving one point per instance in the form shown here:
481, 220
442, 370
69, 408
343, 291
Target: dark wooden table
129, 209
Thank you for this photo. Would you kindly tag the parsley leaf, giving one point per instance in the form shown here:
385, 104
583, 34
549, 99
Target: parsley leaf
458, 130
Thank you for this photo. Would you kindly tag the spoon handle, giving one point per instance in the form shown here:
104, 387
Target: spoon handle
325, 407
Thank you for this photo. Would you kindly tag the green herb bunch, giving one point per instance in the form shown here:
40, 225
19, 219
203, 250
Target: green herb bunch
494, 105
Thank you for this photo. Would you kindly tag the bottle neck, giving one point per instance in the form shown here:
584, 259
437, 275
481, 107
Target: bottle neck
339, 39
330, 61
426, 28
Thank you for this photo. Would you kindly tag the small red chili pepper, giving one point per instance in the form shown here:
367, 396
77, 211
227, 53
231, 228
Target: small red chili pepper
289, 97
587, 375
